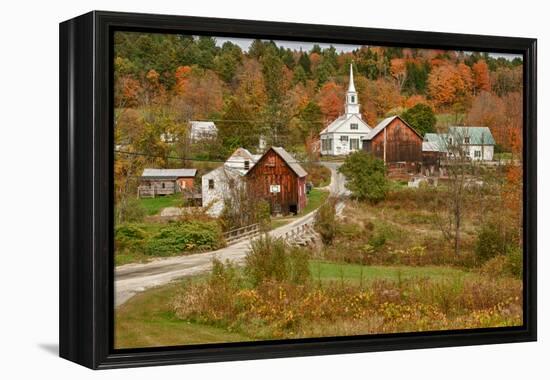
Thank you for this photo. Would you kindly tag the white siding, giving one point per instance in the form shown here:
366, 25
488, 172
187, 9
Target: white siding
342, 146
213, 199
484, 152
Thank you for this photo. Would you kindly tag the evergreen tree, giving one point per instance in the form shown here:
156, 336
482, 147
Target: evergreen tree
421, 117
305, 63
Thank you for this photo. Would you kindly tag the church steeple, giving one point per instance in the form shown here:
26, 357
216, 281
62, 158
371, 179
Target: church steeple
352, 103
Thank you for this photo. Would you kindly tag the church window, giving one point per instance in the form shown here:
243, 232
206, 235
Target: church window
354, 126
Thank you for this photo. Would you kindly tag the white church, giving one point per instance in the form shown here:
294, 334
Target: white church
345, 134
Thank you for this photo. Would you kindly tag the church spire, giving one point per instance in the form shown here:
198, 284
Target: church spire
352, 103
351, 87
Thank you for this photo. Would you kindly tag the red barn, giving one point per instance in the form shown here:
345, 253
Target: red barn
278, 178
394, 141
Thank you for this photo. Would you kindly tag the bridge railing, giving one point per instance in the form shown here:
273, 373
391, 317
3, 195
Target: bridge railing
235, 234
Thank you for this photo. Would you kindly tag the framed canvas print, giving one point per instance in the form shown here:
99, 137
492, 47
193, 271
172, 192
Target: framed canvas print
238, 189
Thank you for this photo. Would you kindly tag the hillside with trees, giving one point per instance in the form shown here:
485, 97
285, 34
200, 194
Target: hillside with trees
287, 96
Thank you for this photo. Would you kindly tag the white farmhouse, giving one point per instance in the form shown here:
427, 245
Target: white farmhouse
477, 143
217, 184
202, 130
343, 136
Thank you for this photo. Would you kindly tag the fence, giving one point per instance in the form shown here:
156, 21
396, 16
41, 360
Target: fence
232, 236
301, 235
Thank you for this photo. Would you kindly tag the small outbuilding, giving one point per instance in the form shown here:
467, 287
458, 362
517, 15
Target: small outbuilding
160, 182
279, 179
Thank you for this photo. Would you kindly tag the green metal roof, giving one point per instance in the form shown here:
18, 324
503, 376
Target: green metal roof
477, 135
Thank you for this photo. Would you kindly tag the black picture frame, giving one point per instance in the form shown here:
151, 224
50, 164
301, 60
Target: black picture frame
86, 195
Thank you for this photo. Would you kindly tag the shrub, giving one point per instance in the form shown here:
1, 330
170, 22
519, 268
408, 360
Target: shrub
275, 309
263, 213
366, 176
129, 236
490, 242
129, 209
496, 267
273, 259
514, 262
318, 175
178, 237
325, 221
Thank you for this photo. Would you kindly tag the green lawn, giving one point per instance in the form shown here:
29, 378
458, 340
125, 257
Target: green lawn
502, 156
352, 273
153, 206
147, 320
314, 199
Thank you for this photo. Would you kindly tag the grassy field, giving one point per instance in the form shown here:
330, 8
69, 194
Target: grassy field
153, 206
148, 319
355, 274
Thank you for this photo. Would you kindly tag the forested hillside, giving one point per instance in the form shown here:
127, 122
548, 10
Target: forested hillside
287, 96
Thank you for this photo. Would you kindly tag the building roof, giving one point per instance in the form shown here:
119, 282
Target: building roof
437, 142
380, 126
477, 135
229, 171
432, 137
203, 127
384, 123
242, 152
168, 173
291, 161
337, 123
431, 146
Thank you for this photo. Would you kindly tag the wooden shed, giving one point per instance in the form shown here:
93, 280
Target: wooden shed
278, 178
394, 141
160, 182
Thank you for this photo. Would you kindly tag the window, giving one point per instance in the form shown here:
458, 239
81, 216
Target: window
210, 184
466, 140
326, 145
352, 99
477, 153
270, 161
354, 144
354, 126
450, 140
163, 185
246, 165
343, 138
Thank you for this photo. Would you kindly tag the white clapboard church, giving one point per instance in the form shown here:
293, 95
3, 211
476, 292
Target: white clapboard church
343, 136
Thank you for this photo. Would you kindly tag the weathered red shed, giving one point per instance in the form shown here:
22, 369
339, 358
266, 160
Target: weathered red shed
394, 141
278, 178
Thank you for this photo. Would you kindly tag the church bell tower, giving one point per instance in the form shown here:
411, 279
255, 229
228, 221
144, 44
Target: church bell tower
352, 102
